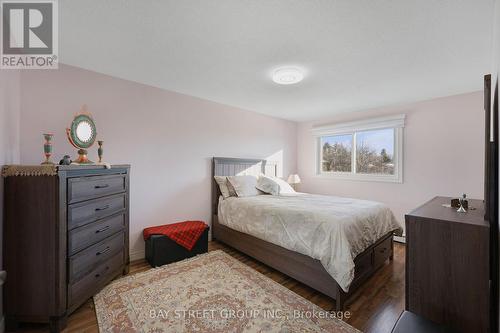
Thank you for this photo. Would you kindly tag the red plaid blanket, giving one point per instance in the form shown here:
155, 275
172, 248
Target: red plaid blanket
185, 233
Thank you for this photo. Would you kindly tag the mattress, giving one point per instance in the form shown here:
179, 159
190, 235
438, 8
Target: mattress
333, 230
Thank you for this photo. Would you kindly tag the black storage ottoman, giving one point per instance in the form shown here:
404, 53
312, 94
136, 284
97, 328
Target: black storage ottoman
161, 250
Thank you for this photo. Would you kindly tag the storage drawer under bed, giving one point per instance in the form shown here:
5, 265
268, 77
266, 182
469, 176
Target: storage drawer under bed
382, 252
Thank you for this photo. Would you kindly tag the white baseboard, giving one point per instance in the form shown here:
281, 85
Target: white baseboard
400, 239
137, 255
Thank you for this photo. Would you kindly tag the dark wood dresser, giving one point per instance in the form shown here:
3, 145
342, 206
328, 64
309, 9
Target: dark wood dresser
447, 265
66, 235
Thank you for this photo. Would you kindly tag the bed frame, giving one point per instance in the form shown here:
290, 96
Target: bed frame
298, 266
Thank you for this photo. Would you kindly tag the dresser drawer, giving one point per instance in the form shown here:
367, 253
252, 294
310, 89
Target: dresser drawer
89, 211
91, 283
80, 238
85, 188
87, 260
382, 252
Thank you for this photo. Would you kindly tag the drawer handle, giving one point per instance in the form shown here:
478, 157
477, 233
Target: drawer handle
98, 209
98, 275
103, 251
101, 186
383, 250
102, 229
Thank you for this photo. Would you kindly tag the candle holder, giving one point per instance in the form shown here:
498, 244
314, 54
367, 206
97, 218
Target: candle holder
47, 148
100, 151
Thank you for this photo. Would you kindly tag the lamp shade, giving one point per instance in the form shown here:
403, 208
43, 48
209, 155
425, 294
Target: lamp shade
293, 179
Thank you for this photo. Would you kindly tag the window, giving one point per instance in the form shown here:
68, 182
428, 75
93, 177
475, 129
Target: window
366, 150
375, 152
337, 153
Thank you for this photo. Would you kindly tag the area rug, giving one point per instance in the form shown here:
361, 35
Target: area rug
212, 292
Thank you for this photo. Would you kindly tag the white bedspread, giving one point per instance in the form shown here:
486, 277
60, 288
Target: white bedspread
331, 229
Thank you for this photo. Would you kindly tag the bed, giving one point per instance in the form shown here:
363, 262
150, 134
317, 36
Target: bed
313, 258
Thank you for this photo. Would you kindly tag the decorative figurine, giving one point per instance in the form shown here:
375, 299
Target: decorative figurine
66, 160
462, 201
47, 148
100, 151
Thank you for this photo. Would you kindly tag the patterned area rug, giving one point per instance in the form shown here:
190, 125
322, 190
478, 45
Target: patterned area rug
209, 293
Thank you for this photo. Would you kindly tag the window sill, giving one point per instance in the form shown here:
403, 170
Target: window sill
361, 177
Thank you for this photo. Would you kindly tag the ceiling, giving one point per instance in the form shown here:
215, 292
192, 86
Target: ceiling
355, 54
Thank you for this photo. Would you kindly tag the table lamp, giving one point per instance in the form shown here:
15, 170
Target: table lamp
293, 180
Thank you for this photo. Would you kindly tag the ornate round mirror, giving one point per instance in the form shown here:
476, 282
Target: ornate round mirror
82, 134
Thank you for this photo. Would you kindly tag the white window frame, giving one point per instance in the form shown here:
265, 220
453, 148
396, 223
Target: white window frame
396, 122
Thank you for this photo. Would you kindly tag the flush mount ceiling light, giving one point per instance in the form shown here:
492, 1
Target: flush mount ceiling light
287, 75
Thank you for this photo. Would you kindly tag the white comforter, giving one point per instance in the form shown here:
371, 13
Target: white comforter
331, 229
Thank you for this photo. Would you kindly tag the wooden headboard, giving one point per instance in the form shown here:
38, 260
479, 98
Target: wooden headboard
224, 166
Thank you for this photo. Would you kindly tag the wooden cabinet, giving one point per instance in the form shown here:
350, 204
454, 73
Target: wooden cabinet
447, 265
66, 236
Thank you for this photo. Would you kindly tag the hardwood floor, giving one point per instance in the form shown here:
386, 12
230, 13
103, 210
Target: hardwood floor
375, 307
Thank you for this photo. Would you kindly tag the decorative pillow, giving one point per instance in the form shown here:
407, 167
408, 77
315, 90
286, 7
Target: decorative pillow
285, 188
268, 185
232, 192
244, 186
274, 185
223, 186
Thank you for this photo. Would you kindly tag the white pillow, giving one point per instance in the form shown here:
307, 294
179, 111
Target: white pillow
268, 185
274, 185
244, 186
222, 182
285, 188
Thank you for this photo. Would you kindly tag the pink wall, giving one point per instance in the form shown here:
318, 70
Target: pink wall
10, 89
168, 138
443, 154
